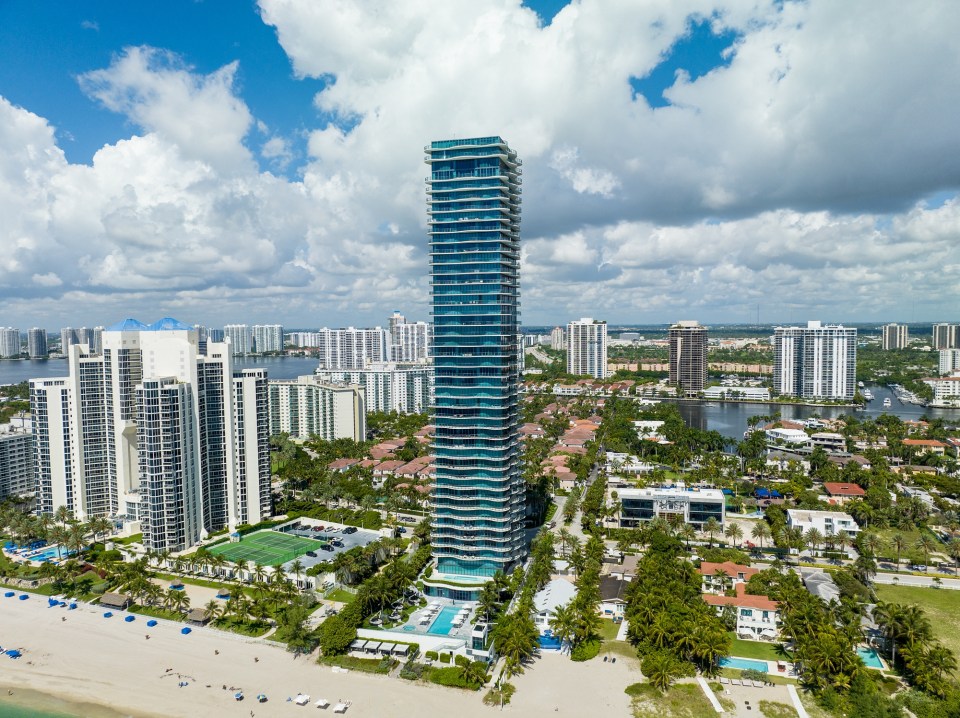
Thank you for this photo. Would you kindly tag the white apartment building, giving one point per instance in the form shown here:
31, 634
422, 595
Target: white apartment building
151, 421
751, 393
949, 361
894, 336
241, 338
409, 341
815, 362
9, 342
309, 407
828, 523
352, 348
17, 461
946, 336
388, 386
558, 339
37, 343
587, 348
946, 389
267, 338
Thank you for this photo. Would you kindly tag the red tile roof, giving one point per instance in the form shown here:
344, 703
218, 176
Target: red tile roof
742, 600
732, 569
837, 489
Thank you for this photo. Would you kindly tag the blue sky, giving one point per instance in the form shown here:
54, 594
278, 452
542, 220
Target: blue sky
259, 161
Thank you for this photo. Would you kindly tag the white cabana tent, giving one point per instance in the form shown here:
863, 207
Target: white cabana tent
323, 703
301, 699
341, 707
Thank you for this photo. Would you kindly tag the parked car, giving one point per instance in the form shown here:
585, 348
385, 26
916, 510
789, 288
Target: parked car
337, 542
312, 554
401, 530
350, 530
327, 547
409, 519
331, 528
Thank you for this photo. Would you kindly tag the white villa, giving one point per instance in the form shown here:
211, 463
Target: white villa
758, 618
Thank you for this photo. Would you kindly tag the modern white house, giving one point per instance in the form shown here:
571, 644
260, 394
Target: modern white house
792, 437
557, 593
828, 523
695, 506
758, 618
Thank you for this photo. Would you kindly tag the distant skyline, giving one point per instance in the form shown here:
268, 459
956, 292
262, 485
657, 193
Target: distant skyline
262, 161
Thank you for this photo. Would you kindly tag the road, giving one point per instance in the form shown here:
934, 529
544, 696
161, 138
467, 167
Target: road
906, 579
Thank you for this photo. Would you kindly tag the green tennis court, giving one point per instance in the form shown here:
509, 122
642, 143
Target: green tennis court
270, 548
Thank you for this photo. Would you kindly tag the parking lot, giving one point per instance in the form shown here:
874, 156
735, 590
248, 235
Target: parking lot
336, 539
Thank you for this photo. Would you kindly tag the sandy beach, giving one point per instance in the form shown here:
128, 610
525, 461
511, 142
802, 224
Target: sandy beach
108, 662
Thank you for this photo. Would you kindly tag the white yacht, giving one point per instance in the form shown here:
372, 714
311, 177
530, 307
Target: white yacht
887, 403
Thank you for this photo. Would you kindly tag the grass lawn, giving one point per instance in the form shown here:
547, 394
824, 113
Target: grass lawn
341, 596
683, 700
909, 554
755, 649
619, 649
609, 630
771, 709
942, 607
189, 580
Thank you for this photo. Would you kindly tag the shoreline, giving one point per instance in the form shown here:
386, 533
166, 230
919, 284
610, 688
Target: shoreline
88, 665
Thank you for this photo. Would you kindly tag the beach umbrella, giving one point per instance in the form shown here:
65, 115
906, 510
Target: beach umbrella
238, 695
9, 594
24, 597
185, 630
151, 623
262, 697
107, 614
130, 619
72, 606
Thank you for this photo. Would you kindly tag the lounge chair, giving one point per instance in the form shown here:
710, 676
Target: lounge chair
724, 681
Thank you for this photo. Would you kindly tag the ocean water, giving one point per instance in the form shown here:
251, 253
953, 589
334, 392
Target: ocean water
31, 704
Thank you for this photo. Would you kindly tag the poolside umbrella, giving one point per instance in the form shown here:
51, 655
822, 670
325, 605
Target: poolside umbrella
185, 630
129, 619
151, 623
107, 614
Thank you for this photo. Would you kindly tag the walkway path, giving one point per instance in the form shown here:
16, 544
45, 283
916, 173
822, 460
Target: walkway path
795, 699
708, 692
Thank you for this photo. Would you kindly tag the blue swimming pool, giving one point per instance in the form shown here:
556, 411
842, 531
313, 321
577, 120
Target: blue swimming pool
550, 642
744, 664
444, 621
869, 657
51, 554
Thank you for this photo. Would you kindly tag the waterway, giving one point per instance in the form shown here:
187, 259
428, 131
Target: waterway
730, 419
13, 371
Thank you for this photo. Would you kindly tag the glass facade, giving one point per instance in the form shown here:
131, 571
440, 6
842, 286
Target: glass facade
474, 227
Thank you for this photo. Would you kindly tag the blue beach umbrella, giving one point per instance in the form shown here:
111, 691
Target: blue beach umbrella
24, 597
107, 614
151, 623
185, 630
9, 594
130, 619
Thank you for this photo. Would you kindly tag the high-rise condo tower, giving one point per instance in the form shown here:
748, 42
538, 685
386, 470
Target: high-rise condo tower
474, 227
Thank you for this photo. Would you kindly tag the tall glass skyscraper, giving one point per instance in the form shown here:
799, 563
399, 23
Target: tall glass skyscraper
474, 226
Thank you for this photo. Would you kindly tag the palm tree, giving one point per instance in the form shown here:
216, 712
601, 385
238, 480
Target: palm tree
899, 543
761, 531
297, 568
711, 527
870, 543
814, 538
734, 533
475, 673
563, 623
659, 667
953, 548
720, 576
926, 543
214, 609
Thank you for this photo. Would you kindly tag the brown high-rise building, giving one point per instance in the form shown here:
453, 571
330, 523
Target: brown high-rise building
688, 357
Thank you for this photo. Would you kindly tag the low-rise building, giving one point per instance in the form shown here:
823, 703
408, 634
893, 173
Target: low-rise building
613, 600
792, 437
829, 441
559, 592
828, 523
749, 393
720, 577
841, 493
695, 506
758, 618
926, 446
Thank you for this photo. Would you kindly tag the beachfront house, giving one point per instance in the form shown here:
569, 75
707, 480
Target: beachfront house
558, 592
828, 523
613, 601
758, 618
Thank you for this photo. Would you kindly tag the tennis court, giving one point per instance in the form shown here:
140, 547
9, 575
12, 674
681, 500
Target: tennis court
270, 548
